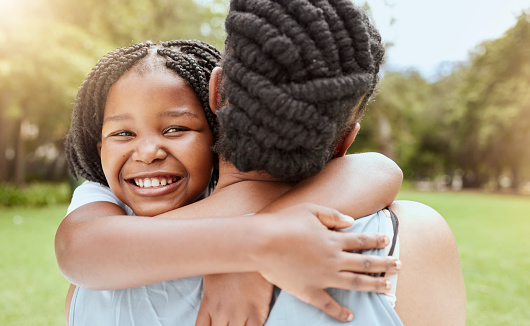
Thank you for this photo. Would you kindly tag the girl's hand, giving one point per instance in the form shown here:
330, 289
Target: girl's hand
303, 257
234, 299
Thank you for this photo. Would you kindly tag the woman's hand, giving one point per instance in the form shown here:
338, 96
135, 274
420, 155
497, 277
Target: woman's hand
234, 299
302, 256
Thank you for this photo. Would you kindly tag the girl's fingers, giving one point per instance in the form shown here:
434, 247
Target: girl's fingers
323, 301
361, 241
203, 318
331, 218
364, 283
352, 262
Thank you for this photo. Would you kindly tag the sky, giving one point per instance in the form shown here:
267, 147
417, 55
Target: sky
429, 33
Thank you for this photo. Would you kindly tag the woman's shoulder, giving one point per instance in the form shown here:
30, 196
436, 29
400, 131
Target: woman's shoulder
431, 276
423, 219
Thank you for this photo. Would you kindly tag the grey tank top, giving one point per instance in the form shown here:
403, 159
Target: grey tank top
177, 302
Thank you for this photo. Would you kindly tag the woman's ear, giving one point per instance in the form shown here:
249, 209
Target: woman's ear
215, 89
99, 148
348, 140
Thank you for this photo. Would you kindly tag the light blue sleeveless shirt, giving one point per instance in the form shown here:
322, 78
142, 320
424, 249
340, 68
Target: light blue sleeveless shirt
177, 302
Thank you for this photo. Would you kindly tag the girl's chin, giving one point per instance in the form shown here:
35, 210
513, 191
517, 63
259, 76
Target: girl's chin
153, 209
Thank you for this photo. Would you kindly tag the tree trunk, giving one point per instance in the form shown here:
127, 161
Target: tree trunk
60, 168
474, 179
20, 158
516, 179
3, 138
385, 142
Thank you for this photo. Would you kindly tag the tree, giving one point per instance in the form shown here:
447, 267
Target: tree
399, 123
475, 119
122, 22
495, 127
40, 82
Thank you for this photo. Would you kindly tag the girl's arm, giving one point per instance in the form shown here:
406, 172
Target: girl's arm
91, 254
99, 249
356, 185
290, 248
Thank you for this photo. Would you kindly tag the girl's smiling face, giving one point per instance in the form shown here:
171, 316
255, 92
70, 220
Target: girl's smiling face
156, 143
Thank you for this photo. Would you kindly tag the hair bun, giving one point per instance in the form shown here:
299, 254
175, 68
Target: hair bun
293, 72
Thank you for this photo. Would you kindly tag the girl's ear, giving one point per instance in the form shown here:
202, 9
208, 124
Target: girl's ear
215, 89
347, 141
99, 148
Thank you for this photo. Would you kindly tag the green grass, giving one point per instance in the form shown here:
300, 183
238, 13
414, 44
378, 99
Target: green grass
492, 236
491, 232
32, 290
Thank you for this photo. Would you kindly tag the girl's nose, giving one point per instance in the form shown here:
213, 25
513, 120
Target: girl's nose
149, 151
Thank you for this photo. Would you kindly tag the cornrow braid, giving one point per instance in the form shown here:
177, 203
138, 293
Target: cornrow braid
190, 59
293, 72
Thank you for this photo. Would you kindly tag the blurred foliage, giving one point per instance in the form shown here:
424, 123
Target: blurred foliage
46, 49
122, 22
35, 194
474, 122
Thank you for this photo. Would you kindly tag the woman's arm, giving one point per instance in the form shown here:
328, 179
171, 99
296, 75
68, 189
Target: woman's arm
431, 277
356, 185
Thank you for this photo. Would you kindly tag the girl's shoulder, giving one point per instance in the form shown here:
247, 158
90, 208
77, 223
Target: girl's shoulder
90, 192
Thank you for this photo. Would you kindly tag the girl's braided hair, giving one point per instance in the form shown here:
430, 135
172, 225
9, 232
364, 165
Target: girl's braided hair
293, 72
192, 60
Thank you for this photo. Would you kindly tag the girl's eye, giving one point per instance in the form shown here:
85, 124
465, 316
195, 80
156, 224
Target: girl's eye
123, 133
175, 130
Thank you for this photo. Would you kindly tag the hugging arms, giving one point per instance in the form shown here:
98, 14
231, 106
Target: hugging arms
100, 248
337, 93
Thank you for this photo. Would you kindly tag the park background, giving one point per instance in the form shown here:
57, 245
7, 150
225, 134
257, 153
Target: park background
460, 132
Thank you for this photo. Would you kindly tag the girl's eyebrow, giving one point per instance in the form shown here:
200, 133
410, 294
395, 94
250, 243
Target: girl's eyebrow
175, 113
169, 113
117, 117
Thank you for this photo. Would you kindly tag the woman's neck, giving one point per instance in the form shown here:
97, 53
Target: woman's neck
236, 193
252, 189
229, 175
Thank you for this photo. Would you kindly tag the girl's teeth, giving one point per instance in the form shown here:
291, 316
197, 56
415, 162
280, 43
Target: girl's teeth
153, 182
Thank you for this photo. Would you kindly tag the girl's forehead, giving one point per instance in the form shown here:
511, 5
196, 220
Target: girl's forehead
154, 73
156, 89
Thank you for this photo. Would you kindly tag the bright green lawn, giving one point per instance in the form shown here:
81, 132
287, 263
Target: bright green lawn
491, 232
32, 290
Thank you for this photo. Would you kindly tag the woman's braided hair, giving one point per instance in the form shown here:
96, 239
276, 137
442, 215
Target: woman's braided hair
293, 71
192, 60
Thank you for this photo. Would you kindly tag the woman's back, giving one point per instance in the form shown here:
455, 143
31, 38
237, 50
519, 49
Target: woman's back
430, 287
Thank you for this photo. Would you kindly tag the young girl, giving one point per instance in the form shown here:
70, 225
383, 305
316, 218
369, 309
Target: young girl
151, 128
